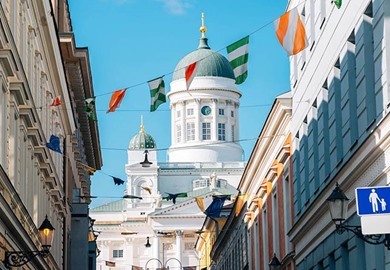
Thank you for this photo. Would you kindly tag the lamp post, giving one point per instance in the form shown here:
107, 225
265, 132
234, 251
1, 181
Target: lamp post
19, 258
274, 264
148, 245
162, 263
337, 202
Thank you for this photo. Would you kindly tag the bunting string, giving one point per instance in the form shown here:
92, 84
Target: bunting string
171, 72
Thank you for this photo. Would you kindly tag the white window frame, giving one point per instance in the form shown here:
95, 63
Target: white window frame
117, 253
190, 131
178, 133
206, 131
221, 132
190, 111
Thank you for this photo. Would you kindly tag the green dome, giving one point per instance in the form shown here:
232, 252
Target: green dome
211, 64
142, 140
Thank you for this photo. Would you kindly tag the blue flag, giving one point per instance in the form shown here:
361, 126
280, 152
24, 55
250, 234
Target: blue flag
118, 181
214, 209
54, 144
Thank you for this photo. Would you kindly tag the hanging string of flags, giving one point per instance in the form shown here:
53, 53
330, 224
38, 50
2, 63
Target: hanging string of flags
54, 144
290, 32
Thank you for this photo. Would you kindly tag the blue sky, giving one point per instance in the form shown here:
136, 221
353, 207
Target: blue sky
133, 41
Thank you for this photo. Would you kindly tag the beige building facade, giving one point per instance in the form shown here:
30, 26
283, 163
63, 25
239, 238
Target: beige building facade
39, 61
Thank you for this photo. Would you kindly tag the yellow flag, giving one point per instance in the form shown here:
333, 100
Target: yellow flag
199, 201
240, 202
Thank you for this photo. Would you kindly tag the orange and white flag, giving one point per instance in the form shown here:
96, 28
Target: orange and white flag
291, 32
190, 73
116, 100
56, 101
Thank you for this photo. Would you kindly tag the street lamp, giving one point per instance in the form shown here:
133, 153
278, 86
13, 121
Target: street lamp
148, 245
274, 264
19, 258
92, 234
338, 203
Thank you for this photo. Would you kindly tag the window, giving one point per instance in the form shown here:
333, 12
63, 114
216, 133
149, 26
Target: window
221, 132
178, 114
265, 238
233, 134
232, 113
178, 133
190, 112
117, 253
190, 131
221, 111
206, 131
275, 223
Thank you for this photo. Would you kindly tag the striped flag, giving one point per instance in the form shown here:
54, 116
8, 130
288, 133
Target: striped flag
190, 73
116, 100
238, 57
157, 93
88, 107
291, 32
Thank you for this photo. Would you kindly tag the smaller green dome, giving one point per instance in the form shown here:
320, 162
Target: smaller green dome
142, 140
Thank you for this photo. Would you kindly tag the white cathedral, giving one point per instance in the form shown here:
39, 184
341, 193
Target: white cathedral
204, 159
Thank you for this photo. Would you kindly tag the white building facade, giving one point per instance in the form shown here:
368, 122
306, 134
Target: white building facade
340, 127
204, 159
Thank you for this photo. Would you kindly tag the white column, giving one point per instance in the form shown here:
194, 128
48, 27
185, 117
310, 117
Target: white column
129, 253
228, 121
214, 125
156, 247
104, 254
179, 245
173, 124
183, 123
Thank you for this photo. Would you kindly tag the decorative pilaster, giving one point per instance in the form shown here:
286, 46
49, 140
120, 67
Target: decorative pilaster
179, 245
214, 129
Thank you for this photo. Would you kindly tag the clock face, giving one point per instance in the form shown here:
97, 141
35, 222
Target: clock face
206, 110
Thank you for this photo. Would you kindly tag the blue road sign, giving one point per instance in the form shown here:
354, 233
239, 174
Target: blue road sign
372, 200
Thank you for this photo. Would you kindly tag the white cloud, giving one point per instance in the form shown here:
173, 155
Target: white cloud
177, 7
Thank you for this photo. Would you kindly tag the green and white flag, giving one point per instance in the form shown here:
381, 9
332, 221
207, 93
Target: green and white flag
337, 3
88, 107
238, 57
157, 93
